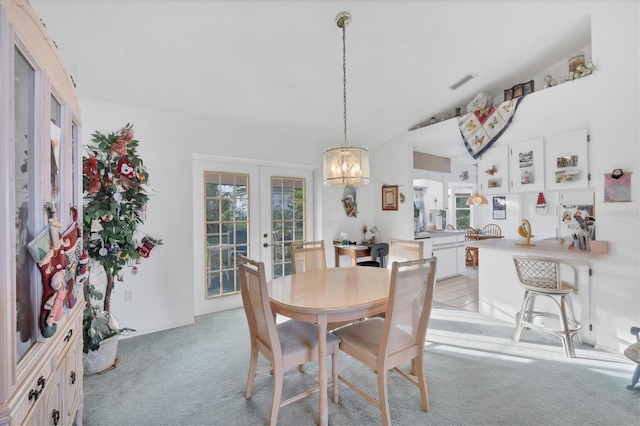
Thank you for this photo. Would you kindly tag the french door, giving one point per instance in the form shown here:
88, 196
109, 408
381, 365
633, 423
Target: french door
248, 208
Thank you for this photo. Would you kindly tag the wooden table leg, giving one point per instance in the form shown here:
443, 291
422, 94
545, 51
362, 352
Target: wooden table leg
323, 409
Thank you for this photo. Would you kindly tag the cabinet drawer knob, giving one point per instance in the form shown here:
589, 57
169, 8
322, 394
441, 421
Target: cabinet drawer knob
68, 336
35, 394
73, 377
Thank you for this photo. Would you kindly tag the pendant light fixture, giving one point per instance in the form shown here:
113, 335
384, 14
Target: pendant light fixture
344, 164
477, 199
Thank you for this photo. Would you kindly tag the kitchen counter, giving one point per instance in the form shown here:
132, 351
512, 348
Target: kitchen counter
548, 248
499, 290
435, 234
448, 247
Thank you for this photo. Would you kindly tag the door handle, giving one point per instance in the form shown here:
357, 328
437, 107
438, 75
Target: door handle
265, 245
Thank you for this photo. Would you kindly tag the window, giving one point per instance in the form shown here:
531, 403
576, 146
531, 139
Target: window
288, 199
462, 210
227, 228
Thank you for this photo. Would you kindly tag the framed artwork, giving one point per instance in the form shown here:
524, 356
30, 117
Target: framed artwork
518, 90
390, 197
617, 189
499, 208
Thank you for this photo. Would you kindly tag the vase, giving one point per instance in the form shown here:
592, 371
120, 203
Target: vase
103, 358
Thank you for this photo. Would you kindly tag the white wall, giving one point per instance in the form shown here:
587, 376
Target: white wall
163, 289
615, 135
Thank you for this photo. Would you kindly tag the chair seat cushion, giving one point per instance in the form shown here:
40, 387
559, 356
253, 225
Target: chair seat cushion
363, 335
369, 263
633, 352
297, 337
550, 287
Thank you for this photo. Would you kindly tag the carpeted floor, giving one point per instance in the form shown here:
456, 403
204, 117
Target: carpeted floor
477, 375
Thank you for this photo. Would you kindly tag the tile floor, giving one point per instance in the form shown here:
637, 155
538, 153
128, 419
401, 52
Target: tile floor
459, 292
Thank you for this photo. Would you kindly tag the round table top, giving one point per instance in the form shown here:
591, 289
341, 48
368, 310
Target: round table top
331, 290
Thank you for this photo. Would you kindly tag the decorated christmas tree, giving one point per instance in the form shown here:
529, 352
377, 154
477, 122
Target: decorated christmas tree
116, 193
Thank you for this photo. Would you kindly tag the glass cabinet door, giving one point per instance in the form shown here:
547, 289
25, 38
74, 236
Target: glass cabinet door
25, 210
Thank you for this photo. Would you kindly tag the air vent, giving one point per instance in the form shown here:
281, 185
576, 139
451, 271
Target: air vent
462, 81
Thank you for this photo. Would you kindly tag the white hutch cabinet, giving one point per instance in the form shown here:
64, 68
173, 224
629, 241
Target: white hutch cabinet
40, 378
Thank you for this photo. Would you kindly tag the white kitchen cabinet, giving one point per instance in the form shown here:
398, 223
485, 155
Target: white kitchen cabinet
493, 171
40, 377
526, 165
567, 160
448, 247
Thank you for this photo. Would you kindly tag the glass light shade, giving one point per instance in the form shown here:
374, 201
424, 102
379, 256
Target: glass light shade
477, 199
345, 165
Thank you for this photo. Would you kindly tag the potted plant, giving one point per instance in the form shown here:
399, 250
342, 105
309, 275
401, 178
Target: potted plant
115, 195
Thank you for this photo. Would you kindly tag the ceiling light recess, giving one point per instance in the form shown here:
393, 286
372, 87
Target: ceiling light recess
462, 81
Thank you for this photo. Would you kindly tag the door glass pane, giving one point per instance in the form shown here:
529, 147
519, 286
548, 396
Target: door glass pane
76, 167
23, 201
227, 229
56, 136
288, 221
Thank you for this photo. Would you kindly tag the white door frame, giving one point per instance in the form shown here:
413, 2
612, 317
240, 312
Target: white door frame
260, 173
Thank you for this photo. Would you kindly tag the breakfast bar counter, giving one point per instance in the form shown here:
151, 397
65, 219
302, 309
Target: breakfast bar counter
545, 248
499, 291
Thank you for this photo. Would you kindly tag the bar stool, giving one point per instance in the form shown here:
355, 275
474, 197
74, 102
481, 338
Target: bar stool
541, 277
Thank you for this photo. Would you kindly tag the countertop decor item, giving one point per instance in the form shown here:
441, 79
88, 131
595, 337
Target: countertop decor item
344, 164
524, 230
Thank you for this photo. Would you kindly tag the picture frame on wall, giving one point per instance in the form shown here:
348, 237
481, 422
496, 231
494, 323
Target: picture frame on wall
520, 89
390, 197
500, 207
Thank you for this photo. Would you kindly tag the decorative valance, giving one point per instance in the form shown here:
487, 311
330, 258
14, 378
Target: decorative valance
480, 129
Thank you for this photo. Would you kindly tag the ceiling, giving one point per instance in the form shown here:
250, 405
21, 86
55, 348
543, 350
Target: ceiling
278, 64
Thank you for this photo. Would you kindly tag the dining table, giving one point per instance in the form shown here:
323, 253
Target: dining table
327, 296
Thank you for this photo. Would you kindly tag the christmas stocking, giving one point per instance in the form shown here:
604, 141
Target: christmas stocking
52, 265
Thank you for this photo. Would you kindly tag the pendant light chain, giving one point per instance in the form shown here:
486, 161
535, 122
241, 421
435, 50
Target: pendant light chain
344, 77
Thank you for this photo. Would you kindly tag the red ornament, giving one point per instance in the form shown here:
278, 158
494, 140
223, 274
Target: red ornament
125, 169
541, 200
91, 171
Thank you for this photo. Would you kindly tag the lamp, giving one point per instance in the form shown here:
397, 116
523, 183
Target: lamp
343, 164
374, 231
477, 199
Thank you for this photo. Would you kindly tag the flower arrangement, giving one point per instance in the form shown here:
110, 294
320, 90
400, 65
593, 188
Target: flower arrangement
582, 71
114, 184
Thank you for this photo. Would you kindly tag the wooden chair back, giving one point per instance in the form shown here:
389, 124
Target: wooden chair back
403, 250
492, 229
408, 308
307, 256
471, 234
262, 325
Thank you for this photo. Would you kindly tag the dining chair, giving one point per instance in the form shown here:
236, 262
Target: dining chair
378, 251
386, 344
285, 345
633, 353
542, 277
402, 250
307, 256
471, 253
492, 229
